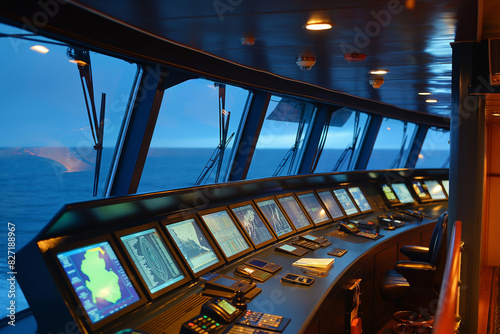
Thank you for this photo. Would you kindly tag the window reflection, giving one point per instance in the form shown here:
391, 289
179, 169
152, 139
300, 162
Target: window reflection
342, 141
391, 146
186, 134
47, 156
281, 138
435, 152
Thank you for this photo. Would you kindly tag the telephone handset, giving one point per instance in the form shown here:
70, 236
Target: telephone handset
221, 309
348, 228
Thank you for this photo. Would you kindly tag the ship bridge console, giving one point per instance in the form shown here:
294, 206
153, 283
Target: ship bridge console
165, 262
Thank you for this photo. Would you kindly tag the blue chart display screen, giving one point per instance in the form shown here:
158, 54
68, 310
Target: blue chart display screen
435, 189
275, 217
253, 225
225, 232
294, 212
345, 201
153, 260
360, 199
313, 207
99, 280
331, 204
193, 244
402, 193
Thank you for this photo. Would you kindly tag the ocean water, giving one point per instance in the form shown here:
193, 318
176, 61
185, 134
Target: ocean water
36, 183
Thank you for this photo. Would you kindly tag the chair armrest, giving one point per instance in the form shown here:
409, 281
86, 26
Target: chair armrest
416, 253
416, 273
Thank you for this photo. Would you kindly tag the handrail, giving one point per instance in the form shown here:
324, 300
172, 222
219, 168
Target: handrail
446, 315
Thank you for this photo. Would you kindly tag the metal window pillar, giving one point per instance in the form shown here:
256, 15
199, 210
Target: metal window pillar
467, 173
416, 146
138, 133
366, 145
249, 136
311, 146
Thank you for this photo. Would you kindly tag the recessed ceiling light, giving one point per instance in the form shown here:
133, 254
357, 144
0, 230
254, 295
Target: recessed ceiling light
40, 49
319, 26
431, 100
424, 93
379, 72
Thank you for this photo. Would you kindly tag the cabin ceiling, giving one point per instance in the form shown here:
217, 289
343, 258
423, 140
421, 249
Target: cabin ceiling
410, 38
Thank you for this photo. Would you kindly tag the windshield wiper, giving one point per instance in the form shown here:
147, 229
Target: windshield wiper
350, 148
82, 59
217, 157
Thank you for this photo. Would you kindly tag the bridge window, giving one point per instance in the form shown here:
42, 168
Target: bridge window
342, 141
281, 138
392, 144
187, 136
47, 154
435, 152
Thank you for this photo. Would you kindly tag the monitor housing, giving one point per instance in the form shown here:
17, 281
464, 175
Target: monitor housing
193, 242
331, 203
253, 224
314, 208
100, 258
228, 235
346, 201
294, 212
276, 217
360, 199
157, 264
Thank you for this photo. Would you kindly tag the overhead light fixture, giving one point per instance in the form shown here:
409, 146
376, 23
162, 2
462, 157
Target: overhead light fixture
305, 63
379, 72
424, 93
431, 100
40, 49
354, 56
376, 81
248, 40
319, 26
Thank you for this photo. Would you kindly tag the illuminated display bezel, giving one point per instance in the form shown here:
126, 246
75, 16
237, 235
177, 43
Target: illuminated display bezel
250, 247
356, 202
425, 199
259, 216
398, 200
175, 258
319, 192
350, 198
208, 238
442, 189
287, 214
446, 186
73, 302
283, 213
321, 207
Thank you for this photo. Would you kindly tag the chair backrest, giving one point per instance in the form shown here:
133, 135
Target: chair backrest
439, 240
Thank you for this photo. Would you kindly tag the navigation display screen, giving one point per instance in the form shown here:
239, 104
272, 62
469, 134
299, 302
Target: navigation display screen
331, 204
275, 217
153, 260
193, 244
253, 224
421, 190
446, 185
435, 189
313, 208
345, 201
403, 193
225, 232
360, 199
389, 194
294, 212
99, 280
